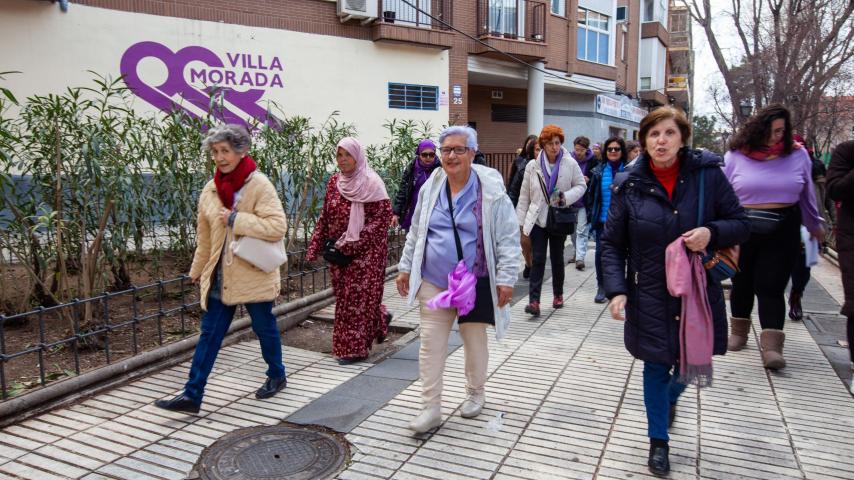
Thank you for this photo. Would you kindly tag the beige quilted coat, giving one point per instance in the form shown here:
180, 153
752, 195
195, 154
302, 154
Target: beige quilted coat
260, 215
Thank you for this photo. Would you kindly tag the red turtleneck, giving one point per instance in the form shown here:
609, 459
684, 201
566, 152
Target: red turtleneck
667, 176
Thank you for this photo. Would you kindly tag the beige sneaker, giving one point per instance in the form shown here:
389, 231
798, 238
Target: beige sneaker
473, 404
428, 419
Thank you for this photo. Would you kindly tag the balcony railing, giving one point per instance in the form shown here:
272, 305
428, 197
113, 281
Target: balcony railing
680, 40
417, 13
513, 19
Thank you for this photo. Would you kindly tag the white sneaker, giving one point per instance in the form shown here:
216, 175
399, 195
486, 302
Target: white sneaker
473, 404
428, 419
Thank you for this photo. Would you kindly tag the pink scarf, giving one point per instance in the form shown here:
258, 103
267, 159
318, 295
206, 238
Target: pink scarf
360, 186
686, 278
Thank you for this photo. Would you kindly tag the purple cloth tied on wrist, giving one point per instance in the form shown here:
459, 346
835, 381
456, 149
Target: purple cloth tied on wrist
460, 293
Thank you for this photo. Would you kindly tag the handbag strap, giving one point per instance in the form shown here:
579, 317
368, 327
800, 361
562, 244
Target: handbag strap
702, 202
543, 187
454, 223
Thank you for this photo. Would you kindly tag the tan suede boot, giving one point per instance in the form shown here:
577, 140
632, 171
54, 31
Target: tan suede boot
739, 329
771, 342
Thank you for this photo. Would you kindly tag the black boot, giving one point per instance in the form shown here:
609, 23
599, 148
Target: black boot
388, 317
351, 360
181, 403
271, 386
526, 273
659, 457
671, 416
600, 296
796, 312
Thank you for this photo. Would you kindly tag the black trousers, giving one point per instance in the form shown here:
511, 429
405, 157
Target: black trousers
540, 241
800, 273
766, 263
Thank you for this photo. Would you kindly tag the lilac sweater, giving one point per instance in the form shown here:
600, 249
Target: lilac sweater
786, 179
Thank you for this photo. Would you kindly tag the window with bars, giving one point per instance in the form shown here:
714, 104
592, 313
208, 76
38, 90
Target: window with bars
413, 97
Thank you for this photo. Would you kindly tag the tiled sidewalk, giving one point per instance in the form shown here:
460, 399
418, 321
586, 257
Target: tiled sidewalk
569, 393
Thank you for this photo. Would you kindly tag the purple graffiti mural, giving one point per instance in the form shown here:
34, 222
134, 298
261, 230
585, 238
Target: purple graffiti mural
218, 77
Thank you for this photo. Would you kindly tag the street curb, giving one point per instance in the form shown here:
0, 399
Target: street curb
90, 383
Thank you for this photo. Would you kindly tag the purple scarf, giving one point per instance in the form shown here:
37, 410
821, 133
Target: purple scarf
583, 163
686, 279
551, 178
420, 175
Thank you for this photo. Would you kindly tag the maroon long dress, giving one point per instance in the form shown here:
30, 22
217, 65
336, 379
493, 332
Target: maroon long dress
358, 287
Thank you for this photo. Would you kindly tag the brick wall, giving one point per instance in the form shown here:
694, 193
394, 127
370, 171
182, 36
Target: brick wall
496, 137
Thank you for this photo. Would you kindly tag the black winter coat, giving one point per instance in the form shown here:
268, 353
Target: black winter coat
517, 175
402, 200
840, 188
641, 223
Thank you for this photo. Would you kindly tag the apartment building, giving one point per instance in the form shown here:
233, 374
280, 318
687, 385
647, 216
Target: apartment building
506, 67
680, 58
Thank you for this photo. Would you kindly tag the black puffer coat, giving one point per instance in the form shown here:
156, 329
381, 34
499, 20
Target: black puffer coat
840, 188
641, 223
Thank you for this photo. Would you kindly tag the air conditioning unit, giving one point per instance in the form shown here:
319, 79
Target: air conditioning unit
364, 10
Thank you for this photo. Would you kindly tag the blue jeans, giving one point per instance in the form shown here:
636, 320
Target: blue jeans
660, 390
215, 323
582, 232
597, 236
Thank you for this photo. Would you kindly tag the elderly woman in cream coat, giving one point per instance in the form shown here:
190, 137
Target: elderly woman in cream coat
472, 199
239, 201
557, 172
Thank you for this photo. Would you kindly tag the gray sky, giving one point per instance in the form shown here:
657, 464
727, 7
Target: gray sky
705, 68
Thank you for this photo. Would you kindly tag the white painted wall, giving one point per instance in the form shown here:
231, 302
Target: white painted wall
609, 8
653, 60
320, 74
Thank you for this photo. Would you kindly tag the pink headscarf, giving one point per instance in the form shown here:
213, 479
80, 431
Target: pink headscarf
360, 186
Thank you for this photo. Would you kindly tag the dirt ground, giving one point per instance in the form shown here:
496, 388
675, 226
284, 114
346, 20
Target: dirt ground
316, 335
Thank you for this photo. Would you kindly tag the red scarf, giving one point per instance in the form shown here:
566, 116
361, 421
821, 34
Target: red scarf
228, 183
765, 152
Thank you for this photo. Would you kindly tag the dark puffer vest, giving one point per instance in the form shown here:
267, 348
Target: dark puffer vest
642, 222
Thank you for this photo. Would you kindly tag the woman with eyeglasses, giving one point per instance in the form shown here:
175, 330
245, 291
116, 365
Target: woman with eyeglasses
416, 173
772, 176
463, 221
552, 179
599, 200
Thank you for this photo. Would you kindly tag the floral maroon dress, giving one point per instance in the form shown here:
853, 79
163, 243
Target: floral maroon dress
358, 287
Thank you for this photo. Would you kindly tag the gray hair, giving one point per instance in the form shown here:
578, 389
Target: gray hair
236, 135
466, 131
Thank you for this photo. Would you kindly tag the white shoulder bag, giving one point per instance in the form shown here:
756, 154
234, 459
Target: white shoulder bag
265, 255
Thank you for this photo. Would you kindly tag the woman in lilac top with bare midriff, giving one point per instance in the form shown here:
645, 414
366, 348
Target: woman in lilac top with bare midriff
771, 175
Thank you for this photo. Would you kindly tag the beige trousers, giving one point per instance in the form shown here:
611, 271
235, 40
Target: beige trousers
435, 330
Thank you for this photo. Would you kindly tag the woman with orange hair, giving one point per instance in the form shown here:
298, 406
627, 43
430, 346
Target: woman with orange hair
553, 179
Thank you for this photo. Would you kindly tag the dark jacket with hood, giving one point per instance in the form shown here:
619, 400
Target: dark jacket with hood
642, 222
517, 175
840, 188
402, 201
593, 197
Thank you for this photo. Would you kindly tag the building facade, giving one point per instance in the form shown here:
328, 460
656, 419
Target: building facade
507, 67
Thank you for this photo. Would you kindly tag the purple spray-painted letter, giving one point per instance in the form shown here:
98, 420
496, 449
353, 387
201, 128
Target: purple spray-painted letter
175, 87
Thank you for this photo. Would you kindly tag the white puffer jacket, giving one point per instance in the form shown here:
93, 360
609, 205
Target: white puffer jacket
532, 208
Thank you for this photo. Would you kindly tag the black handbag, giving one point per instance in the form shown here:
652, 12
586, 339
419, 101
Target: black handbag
483, 311
722, 263
334, 256
764, 222
560, 220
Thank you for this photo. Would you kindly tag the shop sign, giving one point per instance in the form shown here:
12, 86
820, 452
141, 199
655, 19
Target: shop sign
615, 108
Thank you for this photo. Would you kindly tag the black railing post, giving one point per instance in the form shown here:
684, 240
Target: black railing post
4, 393
134, 320
75, 344
107, 328
160, 313
40, 316
183, 306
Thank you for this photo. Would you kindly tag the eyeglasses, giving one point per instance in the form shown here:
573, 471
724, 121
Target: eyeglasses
615, 149
457, 150
428, 154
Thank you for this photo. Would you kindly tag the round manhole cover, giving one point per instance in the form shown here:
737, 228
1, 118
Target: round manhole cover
267, 453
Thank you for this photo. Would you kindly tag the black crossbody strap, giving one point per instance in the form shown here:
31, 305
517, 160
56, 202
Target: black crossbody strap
454, 223
702, 199
543, 186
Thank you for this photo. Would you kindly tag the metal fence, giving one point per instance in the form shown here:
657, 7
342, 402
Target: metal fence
502, 162
417, 13
88, 333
